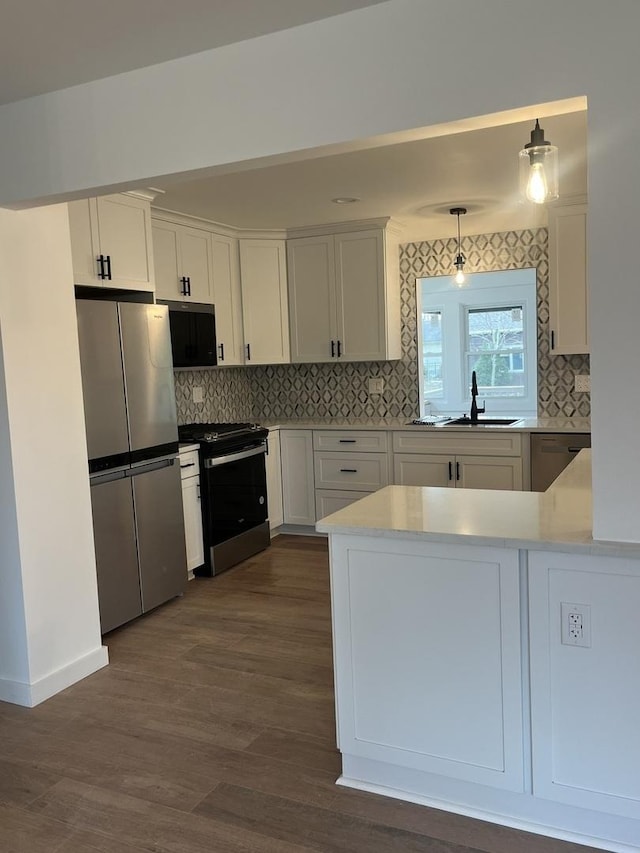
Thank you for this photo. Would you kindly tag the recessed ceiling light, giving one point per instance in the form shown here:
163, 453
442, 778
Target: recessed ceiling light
344, 200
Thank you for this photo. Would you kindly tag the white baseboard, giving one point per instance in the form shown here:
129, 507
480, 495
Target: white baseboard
30, 695
298, 530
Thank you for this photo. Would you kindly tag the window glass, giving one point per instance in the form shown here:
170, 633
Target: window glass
495, 335
432, 378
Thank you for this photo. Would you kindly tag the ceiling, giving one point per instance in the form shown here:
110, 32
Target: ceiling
52, 44
45, 46
415, 182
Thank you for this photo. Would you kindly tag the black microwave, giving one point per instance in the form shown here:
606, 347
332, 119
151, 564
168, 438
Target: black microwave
193, 333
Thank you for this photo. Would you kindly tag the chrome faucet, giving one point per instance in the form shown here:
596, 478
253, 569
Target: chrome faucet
475, 411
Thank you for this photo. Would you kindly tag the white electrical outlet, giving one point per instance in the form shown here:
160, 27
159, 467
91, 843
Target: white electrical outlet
376, 385
582, 383
576, 624
198, 396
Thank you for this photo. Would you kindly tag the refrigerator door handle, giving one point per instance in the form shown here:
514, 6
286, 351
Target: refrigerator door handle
153, 465
107, 476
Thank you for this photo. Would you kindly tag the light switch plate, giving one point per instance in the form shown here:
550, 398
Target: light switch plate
197, 394
582, 383
376, 385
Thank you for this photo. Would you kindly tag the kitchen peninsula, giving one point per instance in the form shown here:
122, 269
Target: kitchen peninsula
483, 648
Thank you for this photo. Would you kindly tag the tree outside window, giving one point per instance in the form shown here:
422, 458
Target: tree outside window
494, 336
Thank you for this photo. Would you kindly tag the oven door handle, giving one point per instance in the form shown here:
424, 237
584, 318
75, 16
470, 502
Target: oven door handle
215, 461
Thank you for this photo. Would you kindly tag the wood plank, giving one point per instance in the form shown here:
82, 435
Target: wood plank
318, 828
21, 832
147, 825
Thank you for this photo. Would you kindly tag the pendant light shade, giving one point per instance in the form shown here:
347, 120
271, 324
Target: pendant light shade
460, 260
539, 168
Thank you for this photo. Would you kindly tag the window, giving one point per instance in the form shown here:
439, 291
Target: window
494, 336
488, 326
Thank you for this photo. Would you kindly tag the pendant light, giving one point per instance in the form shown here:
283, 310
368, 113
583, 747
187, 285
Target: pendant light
460, 258
539, 168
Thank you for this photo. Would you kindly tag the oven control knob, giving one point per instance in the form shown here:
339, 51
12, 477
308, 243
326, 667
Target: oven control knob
260, 500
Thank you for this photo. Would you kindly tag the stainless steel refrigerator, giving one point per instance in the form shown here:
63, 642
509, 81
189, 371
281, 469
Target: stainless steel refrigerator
132, 438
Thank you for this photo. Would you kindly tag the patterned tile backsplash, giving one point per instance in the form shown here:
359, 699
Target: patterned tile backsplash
338, 390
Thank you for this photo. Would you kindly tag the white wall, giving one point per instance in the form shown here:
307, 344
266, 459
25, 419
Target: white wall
391, 67
49, 622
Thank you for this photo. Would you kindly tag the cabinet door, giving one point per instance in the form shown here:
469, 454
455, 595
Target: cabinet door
227, 298
360, 290
488, 472
192, 522
568, 294
264, 301
298, 492
312, 305
195, 263
421, 469
165, 260
124, 228
329, 501
85, 249
274, 480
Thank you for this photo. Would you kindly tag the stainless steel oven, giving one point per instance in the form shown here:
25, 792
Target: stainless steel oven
233, 489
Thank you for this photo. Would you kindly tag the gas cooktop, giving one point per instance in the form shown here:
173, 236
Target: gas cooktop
211, 433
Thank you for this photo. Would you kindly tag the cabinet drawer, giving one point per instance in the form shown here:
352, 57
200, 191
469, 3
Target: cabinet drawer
189, 465
453, 442
351, 471
360, 440
331, 500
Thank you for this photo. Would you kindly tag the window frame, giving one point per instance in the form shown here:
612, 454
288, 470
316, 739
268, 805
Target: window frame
497, 289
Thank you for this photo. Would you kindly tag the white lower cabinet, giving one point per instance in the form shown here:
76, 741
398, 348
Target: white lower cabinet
585, 753
462, 472
348, 465
331, 500
298, 491
427, 660
190, 473
274, 480
492, 460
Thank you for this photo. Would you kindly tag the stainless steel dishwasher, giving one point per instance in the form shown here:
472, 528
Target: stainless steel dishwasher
551, 453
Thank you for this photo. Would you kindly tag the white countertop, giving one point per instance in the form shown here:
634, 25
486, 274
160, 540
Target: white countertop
395, 424
556, 520
185, 448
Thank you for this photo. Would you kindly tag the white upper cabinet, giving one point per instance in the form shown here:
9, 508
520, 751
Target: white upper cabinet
344, 296
111, 242
182, 258
312, 298
568, 292
265, 312
227, 297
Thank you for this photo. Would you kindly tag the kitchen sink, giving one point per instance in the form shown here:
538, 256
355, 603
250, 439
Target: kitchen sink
466, 421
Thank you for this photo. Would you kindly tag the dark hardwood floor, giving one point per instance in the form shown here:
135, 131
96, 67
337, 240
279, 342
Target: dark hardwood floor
213, 730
